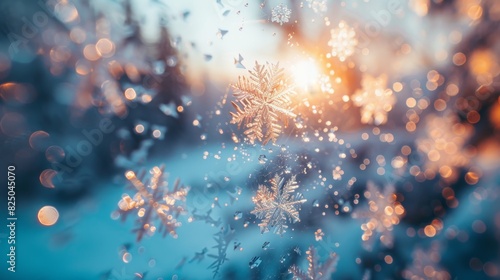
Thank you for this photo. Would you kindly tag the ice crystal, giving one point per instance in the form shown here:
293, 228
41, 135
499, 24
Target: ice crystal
425, 265
375, 100
263, 102
443, 146
223, 238
318, 6
315, 271
277, 206
154, 201
281, 14
384, 212
343, 41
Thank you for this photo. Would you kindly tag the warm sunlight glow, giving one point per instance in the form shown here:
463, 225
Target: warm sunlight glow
306, 75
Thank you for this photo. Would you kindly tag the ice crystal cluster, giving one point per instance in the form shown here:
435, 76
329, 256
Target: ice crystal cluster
315, 270
277, 206
263, 102
154, 202
318, 6
281, 14
443, 145
383, 213
374, 99
343, 41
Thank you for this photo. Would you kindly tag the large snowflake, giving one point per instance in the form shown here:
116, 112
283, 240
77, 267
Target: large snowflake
384, 212
426, 265
375, 100
277, 206
263, 102
154, 201
443, 146
315, 271
343, 41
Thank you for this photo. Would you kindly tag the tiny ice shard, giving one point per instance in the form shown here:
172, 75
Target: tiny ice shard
238, 215
239, 62
255, 262
262, 159
315, 203
221, 33
169, 109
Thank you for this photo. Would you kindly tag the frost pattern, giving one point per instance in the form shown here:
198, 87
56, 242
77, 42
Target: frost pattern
315, 271
375, 100
343, 41
384, 212
154, 201
277, 206
281, 14
263, 102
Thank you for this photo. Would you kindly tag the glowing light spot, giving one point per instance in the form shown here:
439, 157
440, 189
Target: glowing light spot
48, 215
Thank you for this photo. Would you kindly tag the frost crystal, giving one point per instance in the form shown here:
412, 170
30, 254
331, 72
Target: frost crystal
318, 6
343, 41
315, 271
154, 201
281, 14
277, 206
375, 100
384, 212
263, 101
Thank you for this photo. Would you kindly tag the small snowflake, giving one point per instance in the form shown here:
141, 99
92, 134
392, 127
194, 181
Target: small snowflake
318, 6
343, 41
337, 173
263, 101
281, 14
154, 201
375, 99
277, 206
384, 212
315, 271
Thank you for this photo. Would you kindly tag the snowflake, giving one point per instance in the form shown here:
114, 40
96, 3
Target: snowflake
375, 100
443, 146
343, 41
425, 265
154, 201
384, 212
223, 238
277, 206
318, 6
263, 100
315, 271
281, 14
